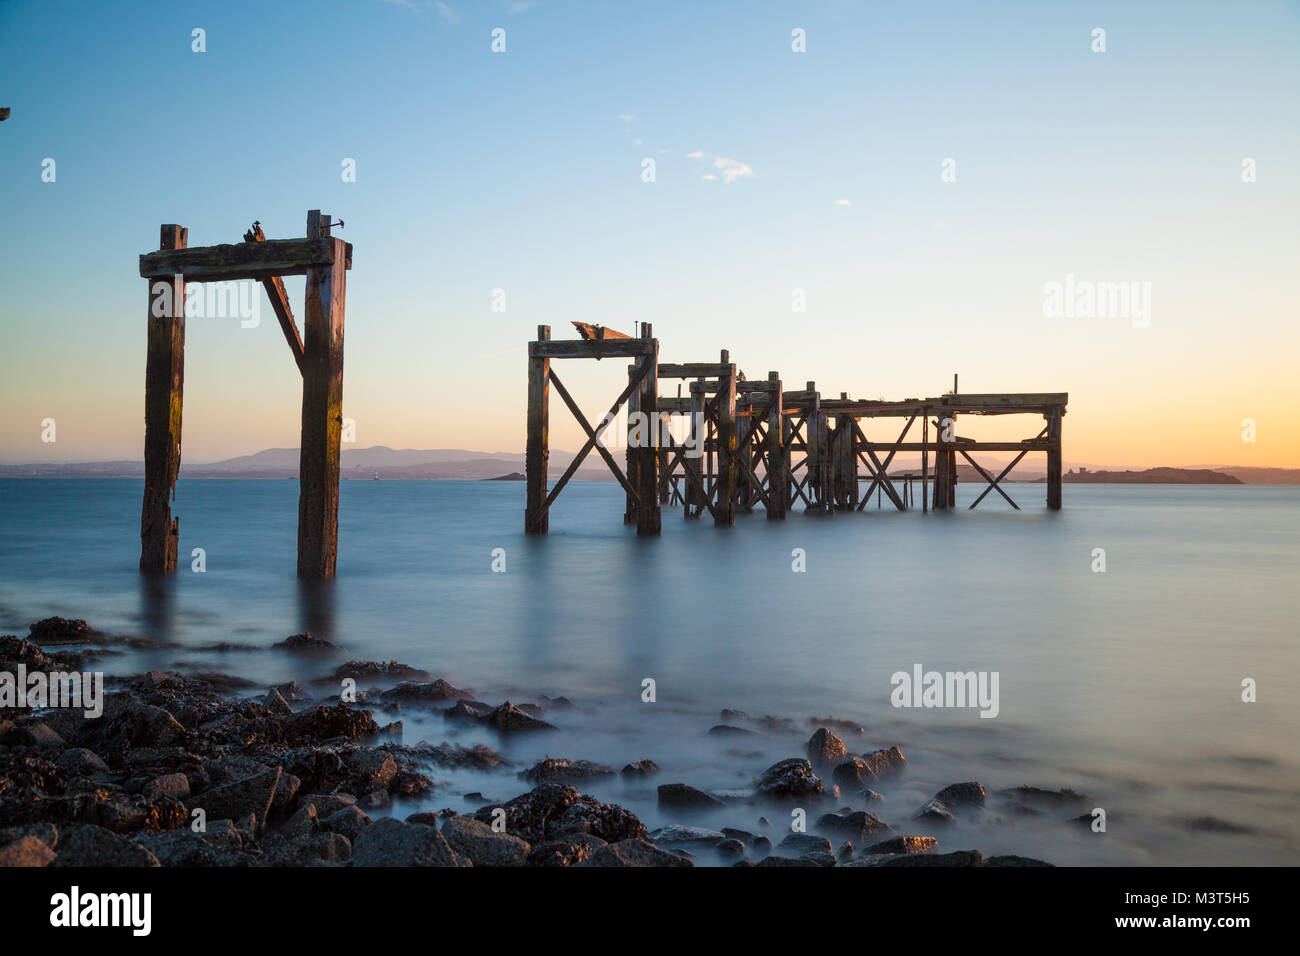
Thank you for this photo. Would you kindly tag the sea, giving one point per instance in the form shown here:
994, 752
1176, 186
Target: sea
1143, 638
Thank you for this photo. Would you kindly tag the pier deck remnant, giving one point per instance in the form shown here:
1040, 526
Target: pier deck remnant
324, 260
749, 432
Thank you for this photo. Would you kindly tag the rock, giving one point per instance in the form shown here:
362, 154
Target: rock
426, 691
684, 795
349, 821
772, 861
761, 844
555, 811
565, 852
727, 730
280, 849
305, 642
327, 803
856, 825
372, 669
276, 703
175, 785
369, 770
1046, 798
634, 853
563, 770
871, 797
26, 851
961, 858
820, 857
642, 768
82, 762
234, 801
220, 845
390, 842
937, 812
857, 772
286, 788
47, 833
290, 690
790, 779
58, 630
679, 833
1012, 860
904, 844
961, 794
825, 749
34, 733
731, 847
483, 845
90, 845
302, 823
803, 843
845, 851
508, 718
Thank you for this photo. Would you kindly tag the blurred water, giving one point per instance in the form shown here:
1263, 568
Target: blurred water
1123, 685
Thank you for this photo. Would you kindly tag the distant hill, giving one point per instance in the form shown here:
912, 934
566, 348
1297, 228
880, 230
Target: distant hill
1153, 476
464, 464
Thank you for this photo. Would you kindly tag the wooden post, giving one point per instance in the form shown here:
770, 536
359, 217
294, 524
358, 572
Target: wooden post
699, 431
1054, 461
744, 460
538, 449
632, 455
648, 516
164, 381
942, 462
777, 472
322, 408
925, 459
952, 458
724, 508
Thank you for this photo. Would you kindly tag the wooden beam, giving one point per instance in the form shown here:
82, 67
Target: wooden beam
580, 348
777, 464
322, 405
246, 260
164, 386
1054, 461
649, 517
695, 370
724, 514
538, 453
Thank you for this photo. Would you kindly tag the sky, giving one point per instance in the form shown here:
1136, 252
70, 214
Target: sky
828, 171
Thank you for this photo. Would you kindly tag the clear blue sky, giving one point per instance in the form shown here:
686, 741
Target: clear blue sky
522, 171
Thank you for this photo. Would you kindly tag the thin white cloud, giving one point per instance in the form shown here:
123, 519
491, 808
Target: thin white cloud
626, 117
447, 13
844, 202
422, 8
729, 169
519, 7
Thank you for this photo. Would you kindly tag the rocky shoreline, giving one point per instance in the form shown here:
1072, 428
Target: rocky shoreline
211, 770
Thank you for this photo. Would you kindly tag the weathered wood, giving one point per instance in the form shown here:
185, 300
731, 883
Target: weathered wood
598, 333
164, 385
695, 486
246, 260
581, 348
275, 291
537, 451
1054, 461
695, 370
992, 482
778, 473
724, 514
322, 405
649, 518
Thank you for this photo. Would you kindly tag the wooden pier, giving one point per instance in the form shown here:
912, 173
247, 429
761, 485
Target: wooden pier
761, 444
324, 260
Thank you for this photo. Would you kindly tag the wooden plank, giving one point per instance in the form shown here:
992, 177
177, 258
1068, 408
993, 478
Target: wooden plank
322, 407
164, 386
580, 348
537, 451
1054, 461
695, 370
246, 260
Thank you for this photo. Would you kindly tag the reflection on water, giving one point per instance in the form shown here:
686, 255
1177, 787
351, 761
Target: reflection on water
1124, 685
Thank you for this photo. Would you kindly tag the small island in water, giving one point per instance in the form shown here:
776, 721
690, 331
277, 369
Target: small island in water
1153, 476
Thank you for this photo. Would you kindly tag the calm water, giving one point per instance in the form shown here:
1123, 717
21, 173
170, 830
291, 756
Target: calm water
1123, 685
